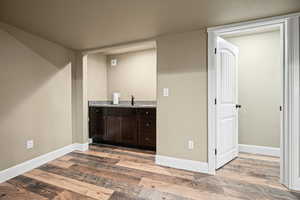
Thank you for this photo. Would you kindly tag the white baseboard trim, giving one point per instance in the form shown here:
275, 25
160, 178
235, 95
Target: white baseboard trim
38, 161
268, 151
190, 165
296, 185
81, 147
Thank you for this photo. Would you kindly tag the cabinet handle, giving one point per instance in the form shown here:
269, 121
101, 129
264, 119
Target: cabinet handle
147, 113
147, 139
148, 124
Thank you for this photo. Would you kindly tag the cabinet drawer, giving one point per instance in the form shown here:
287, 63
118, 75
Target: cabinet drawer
121, 111
147, 140
147, 125
96, 111
147, 112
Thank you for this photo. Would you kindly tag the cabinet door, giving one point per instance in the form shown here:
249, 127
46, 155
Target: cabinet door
101, 127
96, 123
113, 129
92, 124
129, 130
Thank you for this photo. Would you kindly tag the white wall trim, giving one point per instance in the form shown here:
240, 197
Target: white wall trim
261, 150
252, 23
81, 147
190, 165
38, 161
293, 139
212, 94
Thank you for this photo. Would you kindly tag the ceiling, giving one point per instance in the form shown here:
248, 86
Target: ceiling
85, 24
126, 48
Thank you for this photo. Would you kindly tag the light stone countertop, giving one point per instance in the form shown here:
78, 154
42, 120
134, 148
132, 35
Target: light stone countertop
123, 104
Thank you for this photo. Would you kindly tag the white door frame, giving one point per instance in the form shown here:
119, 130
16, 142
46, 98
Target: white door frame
289, 147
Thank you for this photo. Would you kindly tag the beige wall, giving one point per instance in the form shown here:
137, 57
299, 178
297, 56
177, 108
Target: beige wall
135, 74
182, 67
78, 98
259, 82
182, 116
97, 77
36, 99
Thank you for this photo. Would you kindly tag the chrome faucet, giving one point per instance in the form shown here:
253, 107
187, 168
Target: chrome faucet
132, 100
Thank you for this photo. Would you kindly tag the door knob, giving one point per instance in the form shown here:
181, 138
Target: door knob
238, 106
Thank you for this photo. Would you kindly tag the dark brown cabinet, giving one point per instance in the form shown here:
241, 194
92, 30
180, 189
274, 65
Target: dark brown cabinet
123, 126
97, 123
129, 129
113, 129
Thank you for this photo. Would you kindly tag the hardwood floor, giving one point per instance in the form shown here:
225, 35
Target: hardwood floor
114, 173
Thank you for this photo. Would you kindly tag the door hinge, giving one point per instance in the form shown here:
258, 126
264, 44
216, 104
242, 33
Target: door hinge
215, 101
216, 152
215, 50
280, 108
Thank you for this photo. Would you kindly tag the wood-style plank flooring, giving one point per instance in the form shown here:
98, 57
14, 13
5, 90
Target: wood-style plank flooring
115, 173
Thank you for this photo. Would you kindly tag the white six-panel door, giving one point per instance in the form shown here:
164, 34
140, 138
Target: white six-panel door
227, 113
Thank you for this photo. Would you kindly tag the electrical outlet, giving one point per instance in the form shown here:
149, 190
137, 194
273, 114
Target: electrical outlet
29, 144
90, 140
166, 92
191, 144
113, 62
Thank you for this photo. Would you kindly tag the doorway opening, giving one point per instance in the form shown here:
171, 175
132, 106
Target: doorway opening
271, 128
121, 95
249, 93
249, 96
250, 82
